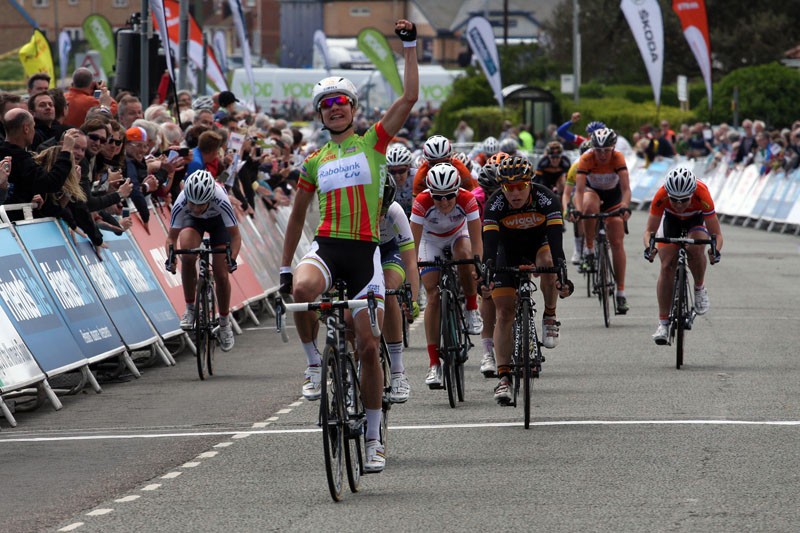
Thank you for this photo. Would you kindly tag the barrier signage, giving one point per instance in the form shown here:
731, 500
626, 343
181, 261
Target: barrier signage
31, 312
17, 365
131, 266
120, 304
70, 289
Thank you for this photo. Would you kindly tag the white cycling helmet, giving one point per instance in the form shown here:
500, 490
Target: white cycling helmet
398, 156
334, 85
490, 146
437, 147
604, 138
199, 187
443, 178
461, 156
680, 182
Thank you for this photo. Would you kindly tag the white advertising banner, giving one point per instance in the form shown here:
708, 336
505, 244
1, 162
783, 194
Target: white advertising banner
17, 365
480, 37
646, 23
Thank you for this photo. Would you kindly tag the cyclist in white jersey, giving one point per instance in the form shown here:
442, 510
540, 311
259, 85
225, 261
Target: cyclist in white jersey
399, 262
204, 207
446, 216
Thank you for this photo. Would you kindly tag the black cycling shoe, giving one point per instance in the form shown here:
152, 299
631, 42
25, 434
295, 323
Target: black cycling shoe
622, 305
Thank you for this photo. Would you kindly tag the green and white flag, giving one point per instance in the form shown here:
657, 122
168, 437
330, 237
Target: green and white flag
377, 49
98, 32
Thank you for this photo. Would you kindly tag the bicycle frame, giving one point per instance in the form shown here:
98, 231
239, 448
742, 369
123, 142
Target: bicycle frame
602, 279
682, 312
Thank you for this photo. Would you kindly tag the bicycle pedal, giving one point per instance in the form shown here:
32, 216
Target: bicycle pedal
434, 386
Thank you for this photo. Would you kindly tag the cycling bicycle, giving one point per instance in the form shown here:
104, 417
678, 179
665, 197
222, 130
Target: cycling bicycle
342, 416
681, 313
206, 322
454, 342
527, 358
404, 300
600, 278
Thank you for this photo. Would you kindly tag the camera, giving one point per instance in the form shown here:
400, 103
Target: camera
97, 93
183, 152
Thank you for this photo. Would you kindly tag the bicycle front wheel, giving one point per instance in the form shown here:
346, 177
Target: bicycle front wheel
212, 321
605, 287
355, 420
331, 414
445, 346
386, 364
202, 329
681, 315
526, 320
459, 338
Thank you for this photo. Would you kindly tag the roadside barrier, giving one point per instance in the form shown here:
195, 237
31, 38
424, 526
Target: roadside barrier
742, 195
65, 304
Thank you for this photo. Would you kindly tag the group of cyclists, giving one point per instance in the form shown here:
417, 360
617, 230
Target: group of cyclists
382, 210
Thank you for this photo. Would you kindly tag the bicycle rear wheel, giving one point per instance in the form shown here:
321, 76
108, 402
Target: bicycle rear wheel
202, 329
525, 352
355, 420
603, 281
681, 315
405, 327
331, 414
458, 350
386, 363
445, 345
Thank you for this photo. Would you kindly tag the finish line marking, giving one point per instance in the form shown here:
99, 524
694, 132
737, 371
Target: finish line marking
790, 423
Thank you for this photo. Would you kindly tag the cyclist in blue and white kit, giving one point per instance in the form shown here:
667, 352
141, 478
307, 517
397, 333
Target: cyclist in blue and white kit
204, 207
399, 263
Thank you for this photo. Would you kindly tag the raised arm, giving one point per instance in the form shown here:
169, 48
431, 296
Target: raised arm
398, 112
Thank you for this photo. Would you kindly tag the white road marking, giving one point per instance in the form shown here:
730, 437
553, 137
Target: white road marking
243, 434
223, 445
273, 419
72, 527
259, 425
126, 499
296, 404
190, 464
284, 411
99, 512
171, 475
207, 455
153, 486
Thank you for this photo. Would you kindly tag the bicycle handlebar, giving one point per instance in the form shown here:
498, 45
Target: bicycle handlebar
202, 250
439, 262
324, 305
714, 255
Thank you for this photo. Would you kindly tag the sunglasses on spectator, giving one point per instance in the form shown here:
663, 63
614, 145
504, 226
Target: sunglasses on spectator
680, 200
327, 103
397, 171
97, 138
118, 142
518, 186
443, 197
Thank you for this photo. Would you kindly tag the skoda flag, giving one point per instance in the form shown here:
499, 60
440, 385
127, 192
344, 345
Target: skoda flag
480, 37
644, 18
377, 49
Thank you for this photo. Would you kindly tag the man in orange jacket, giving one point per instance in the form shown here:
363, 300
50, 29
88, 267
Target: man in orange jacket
81, 99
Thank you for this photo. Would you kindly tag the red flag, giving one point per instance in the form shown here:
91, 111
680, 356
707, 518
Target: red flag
695, 28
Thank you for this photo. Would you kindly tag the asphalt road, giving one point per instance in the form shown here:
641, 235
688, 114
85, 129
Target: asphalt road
621, 440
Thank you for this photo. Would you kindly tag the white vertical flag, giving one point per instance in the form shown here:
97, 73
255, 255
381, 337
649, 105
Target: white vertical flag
238, 20
647, 25
321, 44
220, 45
64, 47
157, 9
480, 37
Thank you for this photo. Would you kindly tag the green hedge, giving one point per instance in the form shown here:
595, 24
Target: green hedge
622, 115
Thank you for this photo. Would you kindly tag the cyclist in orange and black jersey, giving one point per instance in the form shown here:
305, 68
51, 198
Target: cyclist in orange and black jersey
522, 224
